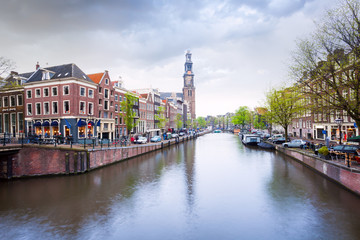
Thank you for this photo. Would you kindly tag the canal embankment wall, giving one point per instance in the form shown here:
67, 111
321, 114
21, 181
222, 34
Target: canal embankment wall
42, 160
347, 177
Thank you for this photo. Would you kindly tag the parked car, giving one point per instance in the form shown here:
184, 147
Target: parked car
155, 139
141, 140
181, 134
275, 136
279, 140
346, 148
296, 143
175, 135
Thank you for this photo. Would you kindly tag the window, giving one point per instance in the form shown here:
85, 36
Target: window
6, 101
37, 92
0, 104
91, 93
82, 107
116, 120
67, 107
38, 108
116, 97
46, 92
106, 105
120, 98
107, 81
54, 91
100, 89
66, 90
1, 123
28, 94
106, 93
106, 115
21, 122
91, 108
19, 100
54, 107
100, 101
111, 103
12, 101
46, 108
111, 92
116, 107
29, 109
82, 91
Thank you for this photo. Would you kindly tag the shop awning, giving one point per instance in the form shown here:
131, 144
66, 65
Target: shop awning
46, 124
81, 123
37, 124
54, 124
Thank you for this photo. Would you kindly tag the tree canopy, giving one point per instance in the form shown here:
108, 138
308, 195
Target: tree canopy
128, 112
241, 117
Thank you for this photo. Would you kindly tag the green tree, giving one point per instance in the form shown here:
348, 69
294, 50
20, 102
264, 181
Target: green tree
128, 112
160, 116
188, 123
327, 63
178, 121
201, 122
241, 117
259, 122
283, 106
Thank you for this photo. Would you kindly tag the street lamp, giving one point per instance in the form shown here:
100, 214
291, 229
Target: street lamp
339, 122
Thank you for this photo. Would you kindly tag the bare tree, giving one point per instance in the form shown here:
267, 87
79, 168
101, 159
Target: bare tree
5, 65
327, 63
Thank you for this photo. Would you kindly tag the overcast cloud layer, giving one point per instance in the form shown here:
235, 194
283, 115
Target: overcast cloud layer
240, 48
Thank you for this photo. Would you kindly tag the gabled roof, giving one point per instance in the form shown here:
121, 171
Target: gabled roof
96, 77
60, 71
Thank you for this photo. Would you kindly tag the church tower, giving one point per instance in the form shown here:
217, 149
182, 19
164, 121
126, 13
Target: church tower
189, 88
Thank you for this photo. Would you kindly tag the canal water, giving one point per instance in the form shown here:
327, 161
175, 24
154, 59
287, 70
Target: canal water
209, 188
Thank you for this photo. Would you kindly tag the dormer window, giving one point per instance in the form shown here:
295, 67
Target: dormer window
107, 81
46, 75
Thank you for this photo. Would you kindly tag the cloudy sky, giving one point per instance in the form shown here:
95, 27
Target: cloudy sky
241, 48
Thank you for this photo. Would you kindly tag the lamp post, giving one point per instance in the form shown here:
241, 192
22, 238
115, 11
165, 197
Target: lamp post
339, 122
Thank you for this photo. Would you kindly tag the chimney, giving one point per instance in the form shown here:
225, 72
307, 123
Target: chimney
37, 65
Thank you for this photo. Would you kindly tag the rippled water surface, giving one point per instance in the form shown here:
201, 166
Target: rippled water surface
210, 188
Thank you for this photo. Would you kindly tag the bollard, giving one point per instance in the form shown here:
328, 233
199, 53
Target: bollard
54, 142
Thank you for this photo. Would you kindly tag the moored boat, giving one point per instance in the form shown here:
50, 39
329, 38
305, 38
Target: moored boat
250, 139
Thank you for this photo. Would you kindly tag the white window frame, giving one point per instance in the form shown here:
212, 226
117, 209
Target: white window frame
68, 101
27, 95
17, 100
91, 95
52, 107
80, 112
106, 81
14, 96
92, 112
48, 108
8, 102
36, 108
84, 91
37, 96
64, 90
44, 92
52, 91
27, 109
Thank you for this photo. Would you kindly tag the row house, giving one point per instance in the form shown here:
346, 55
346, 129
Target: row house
149, 111
12, 104
106, 105
318, 120
60, 101
120, 127
141, 126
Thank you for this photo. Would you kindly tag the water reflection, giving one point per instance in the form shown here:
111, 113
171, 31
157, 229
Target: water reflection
211, 188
